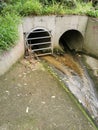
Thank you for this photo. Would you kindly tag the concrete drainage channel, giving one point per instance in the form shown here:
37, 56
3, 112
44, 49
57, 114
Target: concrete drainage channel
44, 33
39, 41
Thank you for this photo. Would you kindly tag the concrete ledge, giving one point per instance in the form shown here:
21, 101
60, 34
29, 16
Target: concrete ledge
9, 58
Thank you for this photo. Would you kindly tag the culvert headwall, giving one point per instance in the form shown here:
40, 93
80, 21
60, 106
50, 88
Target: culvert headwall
58, 25
82, 25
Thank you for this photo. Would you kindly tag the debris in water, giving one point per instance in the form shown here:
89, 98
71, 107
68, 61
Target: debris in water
5, 79
26, 94
19, 85
43, 102
64, 78
19, 94
27, 109
24, 73
7, 92
20, 75
67, 81
25, 84
80, 101
52, 96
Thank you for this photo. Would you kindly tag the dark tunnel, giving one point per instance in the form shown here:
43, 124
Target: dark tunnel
71, 40
39, 38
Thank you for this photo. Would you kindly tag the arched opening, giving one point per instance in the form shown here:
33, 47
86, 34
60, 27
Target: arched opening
71, 40
39, 40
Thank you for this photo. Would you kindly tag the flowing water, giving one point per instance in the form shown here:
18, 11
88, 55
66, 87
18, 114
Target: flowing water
76, 78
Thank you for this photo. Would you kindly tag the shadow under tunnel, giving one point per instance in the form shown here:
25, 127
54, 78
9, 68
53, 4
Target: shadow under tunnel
71, 40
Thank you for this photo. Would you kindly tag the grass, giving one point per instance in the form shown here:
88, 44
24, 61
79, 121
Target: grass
37, 8
8, 30
81, 9
31, 8
54, 9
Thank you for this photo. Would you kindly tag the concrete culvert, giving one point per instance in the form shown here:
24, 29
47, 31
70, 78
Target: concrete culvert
71, 40
39, 41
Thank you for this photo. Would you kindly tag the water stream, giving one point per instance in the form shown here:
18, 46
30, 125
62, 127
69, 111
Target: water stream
82, 87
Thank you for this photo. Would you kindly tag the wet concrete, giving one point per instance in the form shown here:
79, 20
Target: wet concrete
75, 77
32, 99
91, 64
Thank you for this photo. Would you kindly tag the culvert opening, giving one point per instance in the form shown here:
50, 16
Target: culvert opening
39, 41
71, 40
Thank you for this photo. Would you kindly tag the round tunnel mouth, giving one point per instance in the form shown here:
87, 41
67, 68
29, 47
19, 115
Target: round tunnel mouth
39, 41
71, 40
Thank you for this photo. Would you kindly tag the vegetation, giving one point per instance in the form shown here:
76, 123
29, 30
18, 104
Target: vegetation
31, 8
8, 30
44, 7
11, 10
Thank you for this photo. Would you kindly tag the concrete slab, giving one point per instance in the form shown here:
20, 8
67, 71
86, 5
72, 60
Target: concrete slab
32, 99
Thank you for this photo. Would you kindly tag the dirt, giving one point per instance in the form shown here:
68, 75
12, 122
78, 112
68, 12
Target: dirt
66, 60
32, 99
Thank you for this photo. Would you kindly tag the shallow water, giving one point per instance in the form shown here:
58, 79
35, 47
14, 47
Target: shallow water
74, 74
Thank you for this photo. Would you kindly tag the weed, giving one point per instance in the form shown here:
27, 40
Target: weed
92, 13
31, 8
8, 30
53, 9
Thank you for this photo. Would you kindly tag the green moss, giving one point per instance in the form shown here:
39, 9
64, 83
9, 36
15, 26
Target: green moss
58, 51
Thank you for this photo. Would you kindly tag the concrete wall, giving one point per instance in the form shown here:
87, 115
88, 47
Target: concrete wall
70, 22
56, 24
91, 37
7, 59
47, 22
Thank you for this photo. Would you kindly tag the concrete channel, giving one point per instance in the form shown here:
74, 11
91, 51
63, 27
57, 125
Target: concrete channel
44, 33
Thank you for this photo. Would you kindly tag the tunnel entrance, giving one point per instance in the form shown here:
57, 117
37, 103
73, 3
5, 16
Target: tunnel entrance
71, 40
39, 41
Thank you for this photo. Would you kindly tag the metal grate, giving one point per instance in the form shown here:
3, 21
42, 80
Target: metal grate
39, 41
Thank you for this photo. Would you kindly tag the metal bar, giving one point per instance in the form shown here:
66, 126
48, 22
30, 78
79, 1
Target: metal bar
40, 31
38, 38
41, 49
31, 44
43, 54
